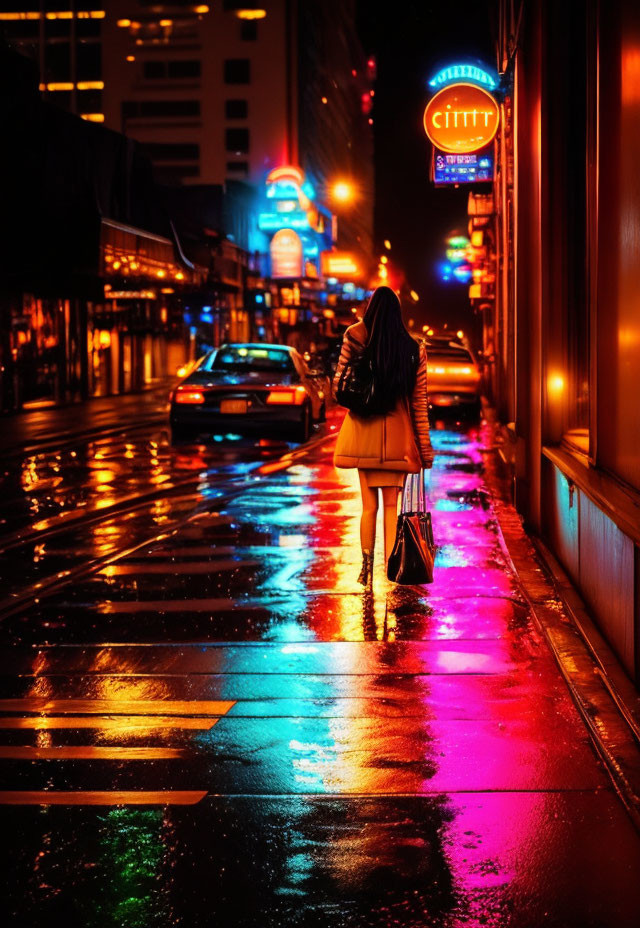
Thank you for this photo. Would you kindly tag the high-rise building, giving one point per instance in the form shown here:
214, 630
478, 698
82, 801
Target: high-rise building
64, 39
203, 89
232, 90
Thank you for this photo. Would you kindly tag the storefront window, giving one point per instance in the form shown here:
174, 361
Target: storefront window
581, 134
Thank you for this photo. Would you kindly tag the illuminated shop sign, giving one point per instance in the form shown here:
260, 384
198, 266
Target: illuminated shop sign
461, 118
339, 264
271, 222
289, 202
462, 169
469, 73
288, 182
289, 207
286, 254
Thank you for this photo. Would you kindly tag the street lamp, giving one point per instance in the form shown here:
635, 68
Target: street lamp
342, 191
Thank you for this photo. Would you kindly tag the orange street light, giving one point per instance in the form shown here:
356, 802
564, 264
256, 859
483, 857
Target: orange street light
387, 244
342, 191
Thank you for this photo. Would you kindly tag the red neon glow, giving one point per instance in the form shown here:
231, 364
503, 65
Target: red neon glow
286, 173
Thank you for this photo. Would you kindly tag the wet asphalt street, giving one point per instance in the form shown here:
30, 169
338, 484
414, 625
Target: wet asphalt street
205, 721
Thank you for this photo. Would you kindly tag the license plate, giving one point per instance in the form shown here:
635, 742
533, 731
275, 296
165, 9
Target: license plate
234, 407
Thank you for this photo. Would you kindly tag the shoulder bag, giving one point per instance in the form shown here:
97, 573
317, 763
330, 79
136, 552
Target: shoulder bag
358, 389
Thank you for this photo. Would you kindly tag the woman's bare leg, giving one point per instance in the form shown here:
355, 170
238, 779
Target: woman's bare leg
390, 504
369, 515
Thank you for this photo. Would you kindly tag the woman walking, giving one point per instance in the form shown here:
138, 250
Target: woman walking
385, 448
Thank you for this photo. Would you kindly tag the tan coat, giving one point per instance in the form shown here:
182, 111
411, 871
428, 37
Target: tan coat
398, 441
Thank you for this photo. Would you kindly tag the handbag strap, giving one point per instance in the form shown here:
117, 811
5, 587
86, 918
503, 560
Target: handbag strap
414, 496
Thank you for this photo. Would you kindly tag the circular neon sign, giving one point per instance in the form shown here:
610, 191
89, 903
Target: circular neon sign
461, 118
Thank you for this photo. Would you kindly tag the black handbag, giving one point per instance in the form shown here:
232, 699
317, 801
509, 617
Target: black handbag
358, 390
411, 560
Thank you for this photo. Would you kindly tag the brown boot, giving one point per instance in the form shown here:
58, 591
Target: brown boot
366, 574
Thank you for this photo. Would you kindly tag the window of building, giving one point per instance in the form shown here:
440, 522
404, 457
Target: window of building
21, 29
187, 68
240, 168
89, 61
89, 101
173, 70
237, 71
237, 140
154, 70
88, 28
248, 30
133, 109
236, 109
57, 28
61, 99
57, 61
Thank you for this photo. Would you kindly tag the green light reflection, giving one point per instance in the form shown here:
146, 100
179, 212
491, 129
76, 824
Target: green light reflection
132, 853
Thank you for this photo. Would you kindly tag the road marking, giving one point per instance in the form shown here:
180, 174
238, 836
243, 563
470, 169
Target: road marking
108, 723
172, 605
87, 752
175, 605
102, 797
191, 551
118, 706
148, 715
175, 567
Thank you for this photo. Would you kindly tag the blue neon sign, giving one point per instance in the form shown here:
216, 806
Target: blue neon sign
271, 222
470, 73
476, 167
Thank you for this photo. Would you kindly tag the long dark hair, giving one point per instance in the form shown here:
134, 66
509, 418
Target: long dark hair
393, 351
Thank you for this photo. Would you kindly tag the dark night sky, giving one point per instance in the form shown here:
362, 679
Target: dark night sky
411, 40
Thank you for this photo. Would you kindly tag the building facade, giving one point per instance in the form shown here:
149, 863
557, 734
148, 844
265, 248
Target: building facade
92, 275
565, 331
64, 40
217, 98
205, 90
232, 91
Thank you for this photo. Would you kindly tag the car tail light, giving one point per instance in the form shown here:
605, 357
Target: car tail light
465, 371
188, 395
287, 396
455, 370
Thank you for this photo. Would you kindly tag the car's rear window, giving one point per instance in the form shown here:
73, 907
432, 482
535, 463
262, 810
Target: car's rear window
245, 358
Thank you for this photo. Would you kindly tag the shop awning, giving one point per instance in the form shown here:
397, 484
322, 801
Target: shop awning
140, 259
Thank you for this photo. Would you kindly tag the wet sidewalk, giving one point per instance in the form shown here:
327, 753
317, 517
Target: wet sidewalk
223, 728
